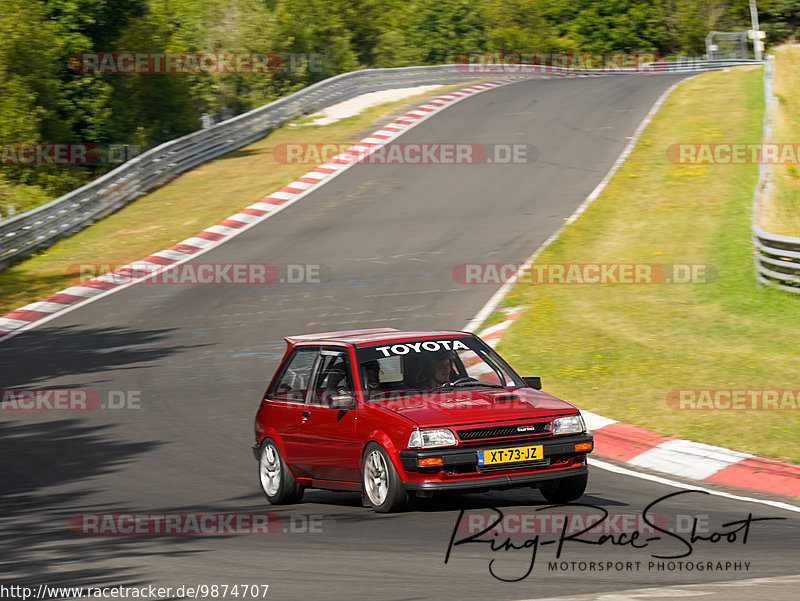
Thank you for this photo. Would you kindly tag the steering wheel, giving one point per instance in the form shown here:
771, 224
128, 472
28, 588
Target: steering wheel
461, 380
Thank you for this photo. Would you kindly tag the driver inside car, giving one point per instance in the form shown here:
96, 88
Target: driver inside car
440, 370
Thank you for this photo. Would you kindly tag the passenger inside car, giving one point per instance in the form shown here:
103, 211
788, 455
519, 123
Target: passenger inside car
372, 371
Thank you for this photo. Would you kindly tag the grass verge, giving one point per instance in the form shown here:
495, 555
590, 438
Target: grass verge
784, 206
190, 203
618, 350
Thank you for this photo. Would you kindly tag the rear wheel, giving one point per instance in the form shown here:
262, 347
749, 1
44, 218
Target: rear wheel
382, 488
277, 482
564, 490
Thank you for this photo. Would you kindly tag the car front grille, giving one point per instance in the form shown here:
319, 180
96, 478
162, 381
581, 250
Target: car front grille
504, 431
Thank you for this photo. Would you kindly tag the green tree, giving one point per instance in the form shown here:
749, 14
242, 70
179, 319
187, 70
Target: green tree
780, 19
445, 29
30, 98
150, 108
518, 26
313, 28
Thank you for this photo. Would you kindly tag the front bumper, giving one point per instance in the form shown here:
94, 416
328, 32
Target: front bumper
459, 470
505, 481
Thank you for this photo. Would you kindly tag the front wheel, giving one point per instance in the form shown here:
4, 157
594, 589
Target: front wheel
564, 490
382, 488
277, 482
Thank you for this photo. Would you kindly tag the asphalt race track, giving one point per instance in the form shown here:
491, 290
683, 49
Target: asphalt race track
196, 359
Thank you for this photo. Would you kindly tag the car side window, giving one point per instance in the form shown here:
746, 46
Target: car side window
294, 380
333, 377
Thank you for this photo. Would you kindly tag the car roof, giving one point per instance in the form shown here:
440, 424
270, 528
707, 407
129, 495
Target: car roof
372, 336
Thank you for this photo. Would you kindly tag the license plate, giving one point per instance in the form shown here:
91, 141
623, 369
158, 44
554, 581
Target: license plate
512, 455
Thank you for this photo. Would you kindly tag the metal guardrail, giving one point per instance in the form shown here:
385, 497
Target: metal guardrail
21, 235
776, 257
777, 260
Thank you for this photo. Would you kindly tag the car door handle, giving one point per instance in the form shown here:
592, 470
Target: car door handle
306, 413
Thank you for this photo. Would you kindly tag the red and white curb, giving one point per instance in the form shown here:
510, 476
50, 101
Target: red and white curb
693, 460
37, 313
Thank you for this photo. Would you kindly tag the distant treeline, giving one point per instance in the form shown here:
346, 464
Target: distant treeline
46, 95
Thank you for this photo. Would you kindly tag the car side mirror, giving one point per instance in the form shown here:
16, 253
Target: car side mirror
533, 382
343, 402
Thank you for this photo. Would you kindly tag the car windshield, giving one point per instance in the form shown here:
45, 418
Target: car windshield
431, 364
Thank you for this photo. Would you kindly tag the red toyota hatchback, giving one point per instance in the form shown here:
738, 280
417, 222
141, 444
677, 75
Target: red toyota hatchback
393, 413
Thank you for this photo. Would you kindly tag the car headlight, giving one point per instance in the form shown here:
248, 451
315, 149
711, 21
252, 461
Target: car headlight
425, 439
568, 425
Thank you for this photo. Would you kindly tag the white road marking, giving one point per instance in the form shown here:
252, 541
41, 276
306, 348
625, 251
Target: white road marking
688, 459
618, 469
723, 589
498, 296
231, 233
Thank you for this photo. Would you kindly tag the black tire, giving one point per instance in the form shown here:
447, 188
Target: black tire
381, 487
277, 481
564, 490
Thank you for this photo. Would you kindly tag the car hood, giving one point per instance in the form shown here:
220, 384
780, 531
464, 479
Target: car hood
461, 407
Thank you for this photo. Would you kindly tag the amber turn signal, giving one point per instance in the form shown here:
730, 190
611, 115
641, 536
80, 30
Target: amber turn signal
583, 446
429, 462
